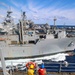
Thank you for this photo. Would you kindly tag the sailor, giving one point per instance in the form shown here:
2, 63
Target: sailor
30, 70
42, 70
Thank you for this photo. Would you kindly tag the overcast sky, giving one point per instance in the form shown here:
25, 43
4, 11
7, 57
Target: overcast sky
41, 11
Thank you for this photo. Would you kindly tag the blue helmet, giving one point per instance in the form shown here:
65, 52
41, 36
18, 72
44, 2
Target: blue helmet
42, 65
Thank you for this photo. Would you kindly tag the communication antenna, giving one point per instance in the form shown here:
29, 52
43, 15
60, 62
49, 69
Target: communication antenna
64, 25
23, 15
9, 12
54, 22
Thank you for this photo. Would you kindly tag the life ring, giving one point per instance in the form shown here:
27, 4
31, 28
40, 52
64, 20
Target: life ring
30, 63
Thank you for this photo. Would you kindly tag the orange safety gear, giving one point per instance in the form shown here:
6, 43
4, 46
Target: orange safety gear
30, 63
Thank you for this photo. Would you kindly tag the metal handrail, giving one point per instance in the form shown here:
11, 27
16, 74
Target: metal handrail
61, 67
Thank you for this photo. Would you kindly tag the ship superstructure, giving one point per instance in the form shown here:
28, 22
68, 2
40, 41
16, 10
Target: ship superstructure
15, 39
17, 34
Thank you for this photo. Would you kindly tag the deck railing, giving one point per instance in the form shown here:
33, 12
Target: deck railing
59, 67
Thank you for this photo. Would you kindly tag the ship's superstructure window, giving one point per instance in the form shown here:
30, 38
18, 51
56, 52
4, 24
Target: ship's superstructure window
30, 33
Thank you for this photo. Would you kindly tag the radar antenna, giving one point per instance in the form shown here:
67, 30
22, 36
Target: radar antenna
23, 16
8, 17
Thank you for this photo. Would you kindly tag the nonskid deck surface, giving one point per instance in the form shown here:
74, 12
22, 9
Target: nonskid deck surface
49, 73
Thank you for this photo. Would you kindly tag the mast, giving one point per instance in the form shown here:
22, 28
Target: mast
54, 22
9, 22
21, 26
8, 17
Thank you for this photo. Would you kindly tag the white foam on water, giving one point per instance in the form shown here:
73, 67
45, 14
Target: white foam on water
56, 57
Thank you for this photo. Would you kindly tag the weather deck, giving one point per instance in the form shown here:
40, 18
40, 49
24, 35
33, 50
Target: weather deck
48, 73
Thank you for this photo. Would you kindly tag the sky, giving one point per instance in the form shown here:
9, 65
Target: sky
40, 11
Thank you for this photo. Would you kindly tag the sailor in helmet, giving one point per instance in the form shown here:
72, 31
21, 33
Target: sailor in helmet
42, 70
30, 71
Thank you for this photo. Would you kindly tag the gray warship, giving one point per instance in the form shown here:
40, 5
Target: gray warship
25, 39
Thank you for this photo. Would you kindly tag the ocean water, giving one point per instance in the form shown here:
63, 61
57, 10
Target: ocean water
64, 26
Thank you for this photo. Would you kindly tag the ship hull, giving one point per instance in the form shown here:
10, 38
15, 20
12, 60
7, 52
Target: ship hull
44, 47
